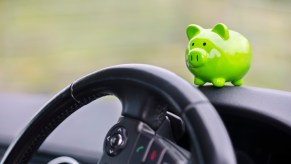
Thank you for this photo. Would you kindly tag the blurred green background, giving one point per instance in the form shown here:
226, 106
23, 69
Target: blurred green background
45, 45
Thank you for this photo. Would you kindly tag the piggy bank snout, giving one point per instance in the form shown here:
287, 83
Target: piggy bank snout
197, 57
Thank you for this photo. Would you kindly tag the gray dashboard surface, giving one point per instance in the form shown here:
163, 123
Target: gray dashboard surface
269, 106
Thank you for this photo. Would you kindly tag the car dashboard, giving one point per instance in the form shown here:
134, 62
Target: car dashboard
257, 120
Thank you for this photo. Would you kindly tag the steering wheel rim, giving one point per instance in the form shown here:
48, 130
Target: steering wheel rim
210, 143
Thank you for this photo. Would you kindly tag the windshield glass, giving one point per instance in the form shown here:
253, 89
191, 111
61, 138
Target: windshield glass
45, 45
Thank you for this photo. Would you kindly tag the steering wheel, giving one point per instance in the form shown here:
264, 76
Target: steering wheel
144, 91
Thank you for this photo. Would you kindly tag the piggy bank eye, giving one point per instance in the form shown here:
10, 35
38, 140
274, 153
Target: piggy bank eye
192, 44
204, 44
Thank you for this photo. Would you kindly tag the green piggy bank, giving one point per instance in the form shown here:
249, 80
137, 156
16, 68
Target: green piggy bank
217, 55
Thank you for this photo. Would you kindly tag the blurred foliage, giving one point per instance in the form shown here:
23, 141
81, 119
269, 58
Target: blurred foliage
45, 45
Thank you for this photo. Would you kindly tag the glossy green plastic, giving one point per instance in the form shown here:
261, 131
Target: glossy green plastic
217, 55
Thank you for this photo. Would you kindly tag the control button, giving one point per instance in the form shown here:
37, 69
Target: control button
174, 156
144, 141
119, 130
155, 153
108, 138
116, 141
139, 149
111, 151
167, 159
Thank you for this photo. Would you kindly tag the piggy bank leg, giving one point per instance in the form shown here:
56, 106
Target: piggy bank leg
198, 81
238, 82
218, 82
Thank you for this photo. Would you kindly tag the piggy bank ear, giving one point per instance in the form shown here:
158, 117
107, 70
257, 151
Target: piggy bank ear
193, 30
221, 30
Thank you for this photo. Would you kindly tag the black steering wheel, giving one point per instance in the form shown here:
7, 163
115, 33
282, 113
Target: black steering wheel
146, 92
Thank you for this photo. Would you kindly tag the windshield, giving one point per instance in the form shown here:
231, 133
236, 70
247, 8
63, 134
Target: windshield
46, 45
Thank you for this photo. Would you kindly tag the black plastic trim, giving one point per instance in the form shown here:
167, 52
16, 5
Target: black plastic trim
269, 106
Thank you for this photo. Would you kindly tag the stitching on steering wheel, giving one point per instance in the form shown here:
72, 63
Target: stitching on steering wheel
51, 125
